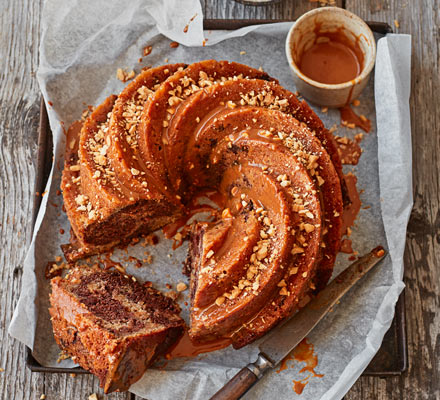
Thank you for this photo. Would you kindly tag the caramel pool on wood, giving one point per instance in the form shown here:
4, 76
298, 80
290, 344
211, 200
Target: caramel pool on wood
332, 59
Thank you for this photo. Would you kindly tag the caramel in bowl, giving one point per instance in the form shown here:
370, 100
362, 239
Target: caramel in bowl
331, 53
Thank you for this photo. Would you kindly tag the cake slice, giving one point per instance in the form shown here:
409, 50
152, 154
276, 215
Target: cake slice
111, 325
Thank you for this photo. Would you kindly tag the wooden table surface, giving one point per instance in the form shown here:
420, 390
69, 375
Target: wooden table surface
19, 113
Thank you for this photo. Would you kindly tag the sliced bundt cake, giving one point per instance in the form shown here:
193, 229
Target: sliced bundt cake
178, 130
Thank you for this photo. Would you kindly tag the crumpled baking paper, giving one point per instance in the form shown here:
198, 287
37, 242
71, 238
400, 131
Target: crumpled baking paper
83, 44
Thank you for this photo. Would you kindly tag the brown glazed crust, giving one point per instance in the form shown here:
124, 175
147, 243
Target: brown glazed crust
124, 151
120, 210
153, 133
217, 320
228, 121
258, 153
145, 156
204, 102
120, 356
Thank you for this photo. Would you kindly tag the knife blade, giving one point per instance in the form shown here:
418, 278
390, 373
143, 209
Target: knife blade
281, 341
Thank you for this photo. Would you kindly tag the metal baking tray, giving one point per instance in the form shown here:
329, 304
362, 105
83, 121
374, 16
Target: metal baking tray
392, 357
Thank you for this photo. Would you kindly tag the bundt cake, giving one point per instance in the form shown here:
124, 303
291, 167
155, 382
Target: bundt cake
112, 325
115, 187
178, 130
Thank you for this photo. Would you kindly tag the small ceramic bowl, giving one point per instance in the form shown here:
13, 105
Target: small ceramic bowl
303, 34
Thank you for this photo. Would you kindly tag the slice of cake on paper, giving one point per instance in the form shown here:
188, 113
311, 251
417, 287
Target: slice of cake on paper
112, 325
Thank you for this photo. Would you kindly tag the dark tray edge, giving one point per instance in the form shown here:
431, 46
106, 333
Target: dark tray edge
44, 156
231, 24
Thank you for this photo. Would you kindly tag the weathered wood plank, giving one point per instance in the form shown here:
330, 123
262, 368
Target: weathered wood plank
19, 94
421, 19
19, 110
230, 9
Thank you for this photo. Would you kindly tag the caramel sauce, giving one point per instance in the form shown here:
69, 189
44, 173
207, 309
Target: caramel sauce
194, 207
348, 116
332, 58
351, 211
298, 386
137, 263
109, 263
171, 229
185, 347
283, 364
346, 246
349, 150
303, 353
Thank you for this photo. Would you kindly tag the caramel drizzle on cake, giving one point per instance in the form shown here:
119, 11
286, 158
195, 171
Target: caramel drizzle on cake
177, 130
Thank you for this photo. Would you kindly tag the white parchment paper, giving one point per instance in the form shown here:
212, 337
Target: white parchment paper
82, 46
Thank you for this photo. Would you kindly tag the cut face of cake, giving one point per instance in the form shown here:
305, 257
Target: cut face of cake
112, 325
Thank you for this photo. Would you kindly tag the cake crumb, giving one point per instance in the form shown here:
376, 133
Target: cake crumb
172, 295
147, 50
2, 370
43, 397
181, 286
123, 75
93, 396
242, 53
396, 23
62, 356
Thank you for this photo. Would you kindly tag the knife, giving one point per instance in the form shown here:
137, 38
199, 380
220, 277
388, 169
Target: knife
280, 342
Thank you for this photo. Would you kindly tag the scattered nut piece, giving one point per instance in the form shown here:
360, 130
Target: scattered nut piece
297, 250
283, 291
226, 213
293, 271
309, 228
147, 50
219, 300
124, 76
209, 254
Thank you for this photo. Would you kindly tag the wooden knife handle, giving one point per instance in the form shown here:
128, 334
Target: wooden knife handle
237, 386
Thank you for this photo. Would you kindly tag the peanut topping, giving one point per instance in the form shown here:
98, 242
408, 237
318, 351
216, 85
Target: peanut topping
181, 286
219, 300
